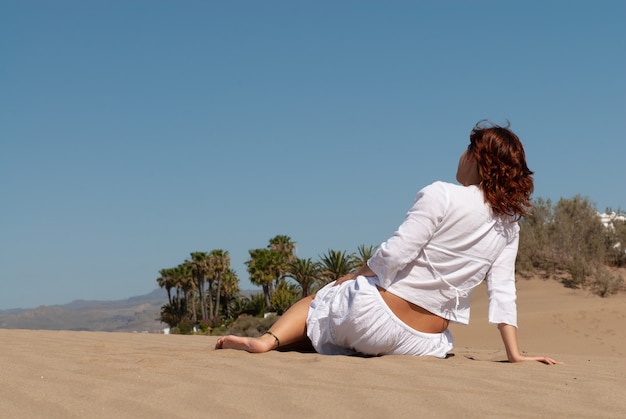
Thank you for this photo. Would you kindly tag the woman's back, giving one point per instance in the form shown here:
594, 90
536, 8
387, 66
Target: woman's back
446, 246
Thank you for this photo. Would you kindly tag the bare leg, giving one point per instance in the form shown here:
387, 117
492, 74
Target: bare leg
289, 328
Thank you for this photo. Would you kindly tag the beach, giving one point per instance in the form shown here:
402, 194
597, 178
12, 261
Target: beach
64, 374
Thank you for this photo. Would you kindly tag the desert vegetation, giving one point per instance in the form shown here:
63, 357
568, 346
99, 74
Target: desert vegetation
566, 241
569, 242
204, 295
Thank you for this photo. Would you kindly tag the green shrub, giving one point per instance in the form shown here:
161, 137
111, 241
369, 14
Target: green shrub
284, 297
256, 306
205, 326
185, 328
605, 282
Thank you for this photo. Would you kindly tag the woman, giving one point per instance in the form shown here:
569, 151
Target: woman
421, 279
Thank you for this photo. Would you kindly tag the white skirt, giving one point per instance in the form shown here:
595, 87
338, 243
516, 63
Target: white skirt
352, 318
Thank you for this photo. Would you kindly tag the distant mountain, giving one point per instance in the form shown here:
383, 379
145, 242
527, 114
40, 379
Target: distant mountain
135, 314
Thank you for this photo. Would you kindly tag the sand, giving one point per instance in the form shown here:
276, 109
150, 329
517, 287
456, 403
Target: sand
62, 374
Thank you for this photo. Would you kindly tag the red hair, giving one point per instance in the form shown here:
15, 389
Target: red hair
506, 181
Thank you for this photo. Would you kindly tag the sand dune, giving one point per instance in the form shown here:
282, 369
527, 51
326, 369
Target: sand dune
59, 374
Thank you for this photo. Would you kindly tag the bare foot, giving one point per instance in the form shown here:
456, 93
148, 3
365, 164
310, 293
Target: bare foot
263, 343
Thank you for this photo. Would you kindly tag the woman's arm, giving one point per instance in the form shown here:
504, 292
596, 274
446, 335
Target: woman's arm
418, 227
509, 338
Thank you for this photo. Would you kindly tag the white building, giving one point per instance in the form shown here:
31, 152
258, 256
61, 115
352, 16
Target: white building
608, 219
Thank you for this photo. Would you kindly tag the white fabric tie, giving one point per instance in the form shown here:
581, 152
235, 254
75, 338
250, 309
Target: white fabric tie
458, 292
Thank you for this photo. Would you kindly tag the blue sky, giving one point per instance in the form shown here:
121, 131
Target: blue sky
133, 133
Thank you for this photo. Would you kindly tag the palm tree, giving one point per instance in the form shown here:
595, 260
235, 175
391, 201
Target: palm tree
185, 280
230, 290
166, 281
334, 265
268, 267
364, 254
262, 267
175, 310
219, 264
306, 273
285, 248
199, 268
283, 244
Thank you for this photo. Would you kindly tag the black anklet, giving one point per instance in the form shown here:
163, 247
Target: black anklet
277, 340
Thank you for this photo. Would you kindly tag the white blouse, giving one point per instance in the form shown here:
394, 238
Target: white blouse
449, 242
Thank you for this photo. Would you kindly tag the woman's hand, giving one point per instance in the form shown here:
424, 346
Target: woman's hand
363, 270
509, 337
543, 359
348, 277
